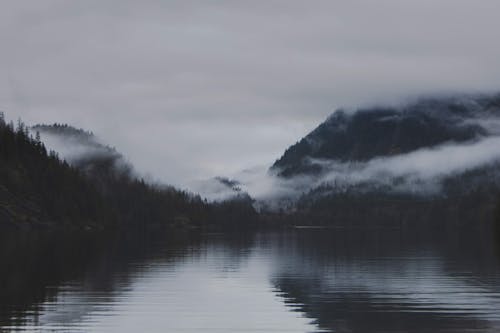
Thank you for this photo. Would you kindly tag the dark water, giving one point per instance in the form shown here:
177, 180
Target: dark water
293, 281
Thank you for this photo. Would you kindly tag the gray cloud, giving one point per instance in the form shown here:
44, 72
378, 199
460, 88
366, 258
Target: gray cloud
193, 89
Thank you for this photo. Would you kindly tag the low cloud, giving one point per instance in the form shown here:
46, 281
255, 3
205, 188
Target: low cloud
83, 150
419, 168
71, 149
420, 172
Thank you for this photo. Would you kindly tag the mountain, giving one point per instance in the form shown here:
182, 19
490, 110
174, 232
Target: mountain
39, 190
93, 187
134, 200
434, 157
368, 133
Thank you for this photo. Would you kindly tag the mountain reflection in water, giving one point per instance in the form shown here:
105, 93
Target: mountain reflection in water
292, 281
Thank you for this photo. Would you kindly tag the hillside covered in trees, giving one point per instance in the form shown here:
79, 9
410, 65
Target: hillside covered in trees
432, 161
38, 189
373, 132
428, 161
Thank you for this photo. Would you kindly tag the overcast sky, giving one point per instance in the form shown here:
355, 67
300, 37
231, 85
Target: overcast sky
193, 89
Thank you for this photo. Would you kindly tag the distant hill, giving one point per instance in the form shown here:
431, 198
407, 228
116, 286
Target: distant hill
432, 157
39, 190
94, 187
368, 133
436, 159
134, 200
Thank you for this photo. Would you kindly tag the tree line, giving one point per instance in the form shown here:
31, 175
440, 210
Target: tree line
37, 188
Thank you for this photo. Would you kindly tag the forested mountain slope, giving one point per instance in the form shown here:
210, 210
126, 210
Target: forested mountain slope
429, 160
98, 190
38, 189
367, 133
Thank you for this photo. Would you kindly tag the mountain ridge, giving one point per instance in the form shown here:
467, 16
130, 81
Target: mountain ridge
367, 133
38, 189
432, 157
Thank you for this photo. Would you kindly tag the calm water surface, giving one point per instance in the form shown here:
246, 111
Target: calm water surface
294, 281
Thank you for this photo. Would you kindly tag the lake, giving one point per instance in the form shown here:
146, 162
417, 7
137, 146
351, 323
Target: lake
303, 280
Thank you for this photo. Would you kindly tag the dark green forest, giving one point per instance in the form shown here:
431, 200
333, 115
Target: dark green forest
38, 189
466, 196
